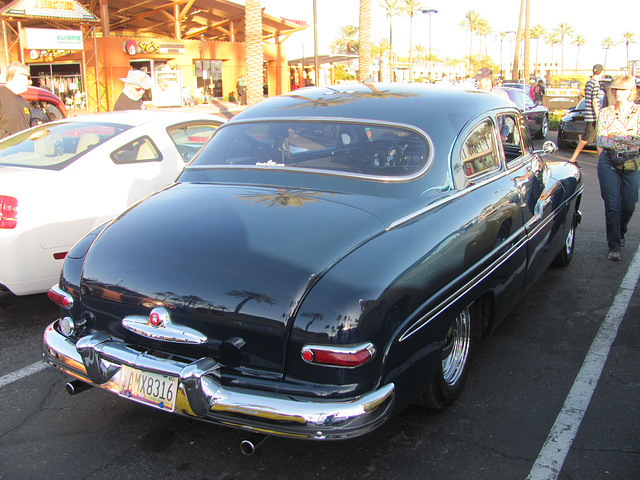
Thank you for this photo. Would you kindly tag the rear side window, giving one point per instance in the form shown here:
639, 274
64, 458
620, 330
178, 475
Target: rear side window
189, 138
479, 154
352, 148
139, 151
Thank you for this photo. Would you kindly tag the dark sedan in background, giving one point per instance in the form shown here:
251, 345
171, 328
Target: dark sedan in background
329, 257
571, 127
537, 115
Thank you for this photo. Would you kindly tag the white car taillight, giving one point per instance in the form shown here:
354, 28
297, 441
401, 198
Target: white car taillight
8, 211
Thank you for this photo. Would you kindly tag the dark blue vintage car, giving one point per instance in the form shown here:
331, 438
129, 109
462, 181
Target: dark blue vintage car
327, 259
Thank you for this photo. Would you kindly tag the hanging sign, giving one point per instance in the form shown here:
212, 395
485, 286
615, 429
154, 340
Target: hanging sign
132, 47
51, 39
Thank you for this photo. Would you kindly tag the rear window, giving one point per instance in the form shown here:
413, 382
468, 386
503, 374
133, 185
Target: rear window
353, 148
54, 146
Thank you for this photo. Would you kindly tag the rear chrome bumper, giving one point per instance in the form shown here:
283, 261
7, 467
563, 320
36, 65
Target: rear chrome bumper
97, 359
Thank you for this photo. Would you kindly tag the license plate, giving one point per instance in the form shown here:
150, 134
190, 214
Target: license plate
152, 389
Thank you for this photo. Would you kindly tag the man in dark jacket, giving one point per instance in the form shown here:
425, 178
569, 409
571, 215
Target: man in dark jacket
15, 115
134, 87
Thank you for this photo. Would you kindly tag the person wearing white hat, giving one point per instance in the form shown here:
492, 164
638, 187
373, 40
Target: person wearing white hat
136, 83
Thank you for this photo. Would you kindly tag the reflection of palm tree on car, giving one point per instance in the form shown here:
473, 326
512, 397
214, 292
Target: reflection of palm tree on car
284, 198
248, 296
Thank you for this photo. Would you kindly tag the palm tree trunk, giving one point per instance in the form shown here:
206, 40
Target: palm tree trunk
364, 39
516, 54
253, 50
411, 49
390, 49
527, 41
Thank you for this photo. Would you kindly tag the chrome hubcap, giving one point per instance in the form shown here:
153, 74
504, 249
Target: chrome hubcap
456, 350
545, 127
569, 240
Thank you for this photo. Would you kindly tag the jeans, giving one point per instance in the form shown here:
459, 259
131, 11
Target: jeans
619, 190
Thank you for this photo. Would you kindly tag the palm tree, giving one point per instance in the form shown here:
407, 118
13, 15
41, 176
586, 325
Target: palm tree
421, 55
516, 54
527, 41
364, 41
552, 39
537, 32
484, 30
563, 30
502, 36
391, 8
378, 50
627, 37
471, 22
607, 43
410, 7
346, 42
253, 50
579, 41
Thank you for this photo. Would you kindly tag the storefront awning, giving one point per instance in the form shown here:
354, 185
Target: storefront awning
219, 20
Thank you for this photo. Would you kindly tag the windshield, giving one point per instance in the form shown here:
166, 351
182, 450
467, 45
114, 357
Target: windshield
54, 146
330, 146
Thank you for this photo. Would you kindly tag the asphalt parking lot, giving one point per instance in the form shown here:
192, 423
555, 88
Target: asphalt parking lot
554, 392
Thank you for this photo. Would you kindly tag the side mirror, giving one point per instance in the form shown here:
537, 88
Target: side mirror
548, 148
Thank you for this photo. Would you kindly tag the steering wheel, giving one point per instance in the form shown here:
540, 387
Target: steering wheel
382, 153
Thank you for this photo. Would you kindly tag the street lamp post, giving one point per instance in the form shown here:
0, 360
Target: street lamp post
429, 12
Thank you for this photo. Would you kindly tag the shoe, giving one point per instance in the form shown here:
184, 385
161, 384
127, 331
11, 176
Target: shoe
575, 162
614, 255
623, 242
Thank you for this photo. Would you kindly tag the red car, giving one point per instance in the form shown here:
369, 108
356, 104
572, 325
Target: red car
44, 105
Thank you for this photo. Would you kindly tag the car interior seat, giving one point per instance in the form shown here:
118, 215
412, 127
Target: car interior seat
87, 140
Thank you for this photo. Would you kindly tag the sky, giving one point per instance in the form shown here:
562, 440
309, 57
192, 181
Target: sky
592, 19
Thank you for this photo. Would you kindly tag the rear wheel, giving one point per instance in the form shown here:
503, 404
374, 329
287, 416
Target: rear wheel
454, 366
544, 128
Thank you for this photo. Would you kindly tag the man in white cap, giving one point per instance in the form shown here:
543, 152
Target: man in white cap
136, 83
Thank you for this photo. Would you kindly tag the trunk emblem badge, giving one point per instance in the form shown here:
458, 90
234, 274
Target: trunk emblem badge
159, 326
154, 319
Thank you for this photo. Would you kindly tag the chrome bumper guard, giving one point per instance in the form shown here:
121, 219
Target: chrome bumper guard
97, 359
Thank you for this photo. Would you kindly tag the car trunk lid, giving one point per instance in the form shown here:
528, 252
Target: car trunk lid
231, 263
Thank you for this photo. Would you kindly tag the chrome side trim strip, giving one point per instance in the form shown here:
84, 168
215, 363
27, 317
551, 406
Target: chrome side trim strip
426, 318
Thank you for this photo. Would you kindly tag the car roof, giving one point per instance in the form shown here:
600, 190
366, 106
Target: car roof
441, 111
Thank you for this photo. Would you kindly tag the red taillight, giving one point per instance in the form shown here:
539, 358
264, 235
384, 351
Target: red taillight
8, 212
338, 356
60, 298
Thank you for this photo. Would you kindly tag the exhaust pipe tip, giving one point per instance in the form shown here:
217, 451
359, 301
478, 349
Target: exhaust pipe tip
76, 386
247, 447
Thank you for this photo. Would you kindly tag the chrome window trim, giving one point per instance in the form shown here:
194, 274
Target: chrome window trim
345, 120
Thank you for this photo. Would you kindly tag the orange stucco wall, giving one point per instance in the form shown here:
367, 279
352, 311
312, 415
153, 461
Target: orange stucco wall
114, 63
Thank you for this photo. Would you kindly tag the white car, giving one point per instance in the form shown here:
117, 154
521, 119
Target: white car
60, 180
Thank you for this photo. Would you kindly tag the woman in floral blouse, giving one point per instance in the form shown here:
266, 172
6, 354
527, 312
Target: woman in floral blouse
619, 137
